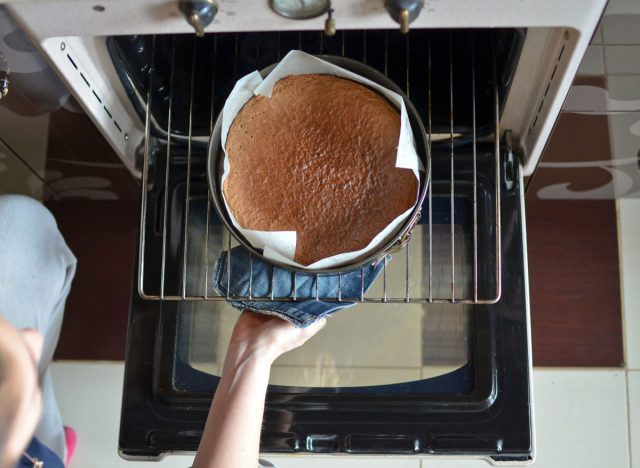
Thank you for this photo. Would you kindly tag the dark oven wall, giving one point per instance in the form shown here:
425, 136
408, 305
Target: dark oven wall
415, 62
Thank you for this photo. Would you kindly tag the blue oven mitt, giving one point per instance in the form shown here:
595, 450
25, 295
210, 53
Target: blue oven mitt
301, 313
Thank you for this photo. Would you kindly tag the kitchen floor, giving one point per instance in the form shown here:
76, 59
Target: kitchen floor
581, 420
585, 305
586, 416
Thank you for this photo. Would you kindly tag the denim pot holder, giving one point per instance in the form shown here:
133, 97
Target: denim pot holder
255, 273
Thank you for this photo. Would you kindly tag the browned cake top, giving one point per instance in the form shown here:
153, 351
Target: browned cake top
318, 158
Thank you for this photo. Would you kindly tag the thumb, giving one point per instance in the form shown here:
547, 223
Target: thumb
316, 326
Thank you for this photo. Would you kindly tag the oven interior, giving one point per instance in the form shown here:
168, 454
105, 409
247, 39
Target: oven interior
215, 62
435, 357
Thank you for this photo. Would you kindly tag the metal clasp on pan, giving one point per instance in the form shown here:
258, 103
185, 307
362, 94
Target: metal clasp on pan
402, 241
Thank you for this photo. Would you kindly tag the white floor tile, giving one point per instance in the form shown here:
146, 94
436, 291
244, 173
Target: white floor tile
622, 7
592, 62
581, 418
620, 59
597, 36
620, 22
622, 94
621, 28
624, 135
633, 388
89, 396
581, 421
624, 88
629, 245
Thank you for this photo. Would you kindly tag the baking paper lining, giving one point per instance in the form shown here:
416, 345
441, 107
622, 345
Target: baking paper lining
281, 245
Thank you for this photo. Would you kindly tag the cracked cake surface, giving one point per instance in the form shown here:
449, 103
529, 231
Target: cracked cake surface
318, 158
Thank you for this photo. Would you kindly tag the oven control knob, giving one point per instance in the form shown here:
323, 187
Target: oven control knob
404, 11
330, 24
199, 13
4, 84
4, 75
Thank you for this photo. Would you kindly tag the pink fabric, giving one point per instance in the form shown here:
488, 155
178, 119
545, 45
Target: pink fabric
71, 439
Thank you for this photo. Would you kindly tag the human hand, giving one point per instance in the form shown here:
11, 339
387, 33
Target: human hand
267, 336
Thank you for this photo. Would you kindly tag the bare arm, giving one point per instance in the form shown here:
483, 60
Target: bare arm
231, 435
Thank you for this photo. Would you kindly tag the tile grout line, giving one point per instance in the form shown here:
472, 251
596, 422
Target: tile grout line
623, 318
626, 388
604, 62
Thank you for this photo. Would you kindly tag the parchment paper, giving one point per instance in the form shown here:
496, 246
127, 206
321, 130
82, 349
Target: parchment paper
281, 245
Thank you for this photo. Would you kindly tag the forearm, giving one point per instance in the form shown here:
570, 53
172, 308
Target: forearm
232, 432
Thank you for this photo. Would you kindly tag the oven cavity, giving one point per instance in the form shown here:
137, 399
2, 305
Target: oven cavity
457, 80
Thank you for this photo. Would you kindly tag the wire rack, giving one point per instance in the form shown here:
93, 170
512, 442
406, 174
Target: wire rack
453, 257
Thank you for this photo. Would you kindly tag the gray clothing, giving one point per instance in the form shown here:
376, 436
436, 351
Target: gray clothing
36, 270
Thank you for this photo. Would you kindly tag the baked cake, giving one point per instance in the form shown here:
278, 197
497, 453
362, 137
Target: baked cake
318, 158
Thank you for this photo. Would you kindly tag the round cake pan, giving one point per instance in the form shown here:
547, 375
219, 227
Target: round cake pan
395, 241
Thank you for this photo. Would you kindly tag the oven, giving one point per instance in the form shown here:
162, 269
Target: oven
435, 359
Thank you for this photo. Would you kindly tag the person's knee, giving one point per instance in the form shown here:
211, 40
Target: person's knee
27, 226
36, 266
19, 213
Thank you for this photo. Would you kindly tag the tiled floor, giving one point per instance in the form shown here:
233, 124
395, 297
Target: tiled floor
89, 395
629, 231
621, 49
633, 390
620, 41
615, 54
581, 418
584, 417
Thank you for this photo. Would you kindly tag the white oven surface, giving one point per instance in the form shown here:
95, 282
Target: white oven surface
557, 36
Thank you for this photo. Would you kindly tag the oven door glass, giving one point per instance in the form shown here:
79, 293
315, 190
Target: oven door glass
366, 348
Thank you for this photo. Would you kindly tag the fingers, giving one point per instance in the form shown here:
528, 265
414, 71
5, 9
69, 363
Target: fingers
271, 334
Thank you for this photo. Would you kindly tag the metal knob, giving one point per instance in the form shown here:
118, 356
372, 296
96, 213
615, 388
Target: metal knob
199, 13
4, 84
404, 11
4, 75
330, 23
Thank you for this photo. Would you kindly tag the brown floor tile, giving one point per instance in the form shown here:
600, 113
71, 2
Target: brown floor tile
575, 283
103, 236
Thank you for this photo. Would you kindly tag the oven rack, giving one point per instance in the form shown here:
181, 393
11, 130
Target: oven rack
166, 267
